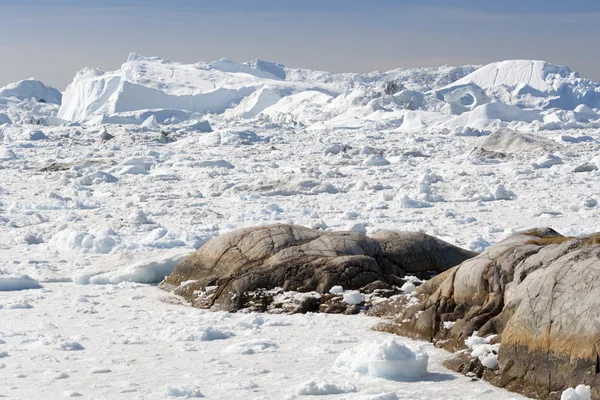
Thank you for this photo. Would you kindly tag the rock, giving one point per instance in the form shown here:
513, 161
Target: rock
586, 168
488, 154
294, 258
57, 166
507, 140
538, 291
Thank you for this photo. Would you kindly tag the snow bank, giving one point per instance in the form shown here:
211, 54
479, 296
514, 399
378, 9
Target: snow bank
10, 281
389, 359
140, 268
319, 387
581, 392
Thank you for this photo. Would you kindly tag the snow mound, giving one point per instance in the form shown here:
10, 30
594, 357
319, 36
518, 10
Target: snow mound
389, 359
132, 268
318, 387
31, 89
581, 392
183, 391
10, 281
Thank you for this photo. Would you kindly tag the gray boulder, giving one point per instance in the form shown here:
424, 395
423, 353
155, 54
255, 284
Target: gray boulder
223, 273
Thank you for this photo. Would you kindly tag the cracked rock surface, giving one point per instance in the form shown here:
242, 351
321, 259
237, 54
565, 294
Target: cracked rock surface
539, 292
300, 259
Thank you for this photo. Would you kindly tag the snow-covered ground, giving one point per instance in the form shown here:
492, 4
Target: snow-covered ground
124, 342
124, 177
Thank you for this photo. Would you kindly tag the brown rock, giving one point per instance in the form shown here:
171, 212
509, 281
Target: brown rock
295, 258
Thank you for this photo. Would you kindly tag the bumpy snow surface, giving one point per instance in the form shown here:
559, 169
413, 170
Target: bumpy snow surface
102, 195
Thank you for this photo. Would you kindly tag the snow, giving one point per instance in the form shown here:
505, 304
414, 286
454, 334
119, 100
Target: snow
150, 268
376, 161
353, 297
183, 391
10, 281
91, 222
150, 123
482, 349
323, 388
581, 392
336, 290
408, 287
548, 161
388, 359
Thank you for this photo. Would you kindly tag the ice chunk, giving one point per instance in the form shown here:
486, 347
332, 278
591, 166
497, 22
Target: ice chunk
7, 154
10, 281
581, 392
389, 359
215, 164
336, 290
31, 89
408, 287
36, 135
319, 387
353, 297
251, 347
376, 161
548, 161
150, 123
183, 391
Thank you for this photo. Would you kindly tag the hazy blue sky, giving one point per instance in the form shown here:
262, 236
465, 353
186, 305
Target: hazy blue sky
52, 39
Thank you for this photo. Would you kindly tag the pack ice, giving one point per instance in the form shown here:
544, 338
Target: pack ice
105, 187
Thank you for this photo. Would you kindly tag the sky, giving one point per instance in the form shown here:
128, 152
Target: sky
52, 39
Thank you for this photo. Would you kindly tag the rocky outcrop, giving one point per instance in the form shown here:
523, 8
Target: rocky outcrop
239, 268
539, 292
